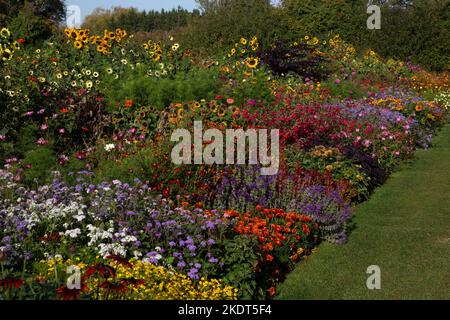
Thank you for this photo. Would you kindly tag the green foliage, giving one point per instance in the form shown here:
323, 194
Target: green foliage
41, 162
161, 92
241, 259
134, 20
222, 22
324, 159
33, 20
418, 31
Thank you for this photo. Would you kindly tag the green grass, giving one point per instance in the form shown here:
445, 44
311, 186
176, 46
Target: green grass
404, 229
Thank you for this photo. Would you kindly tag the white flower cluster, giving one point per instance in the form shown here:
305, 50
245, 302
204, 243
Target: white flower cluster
112, 248
95, 234
73, 233
443, 99
110, 147
124, 237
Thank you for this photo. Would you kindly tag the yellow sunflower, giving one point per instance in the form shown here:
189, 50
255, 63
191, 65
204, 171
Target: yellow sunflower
78, 44
5, 33
252, 63
180, 113
6, 55
16, 45
196, 105
68, 32
221, 112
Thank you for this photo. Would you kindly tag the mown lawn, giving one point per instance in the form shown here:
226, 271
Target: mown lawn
404, 229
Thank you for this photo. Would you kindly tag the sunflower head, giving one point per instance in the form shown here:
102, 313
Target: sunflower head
5, 33
16, 45
68, 32
252, 63
221, 112
6, 55
78, 44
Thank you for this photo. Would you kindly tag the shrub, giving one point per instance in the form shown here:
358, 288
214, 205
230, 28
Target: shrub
300, 59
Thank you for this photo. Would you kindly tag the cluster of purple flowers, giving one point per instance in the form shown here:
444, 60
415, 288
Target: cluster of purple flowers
109, 218
245, 188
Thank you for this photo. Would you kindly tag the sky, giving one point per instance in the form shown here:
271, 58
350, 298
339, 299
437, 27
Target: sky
87, 6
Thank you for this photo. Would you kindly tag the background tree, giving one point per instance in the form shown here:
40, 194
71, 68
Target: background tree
33, 20
134, 20
224, 21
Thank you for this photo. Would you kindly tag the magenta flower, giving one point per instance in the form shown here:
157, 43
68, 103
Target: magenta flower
42, 142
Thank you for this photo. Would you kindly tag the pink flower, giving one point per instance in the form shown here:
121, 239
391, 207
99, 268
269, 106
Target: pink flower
42, 142
11, 160
62, 131
367, 143
338, 81
29, 113
230, 101
44, 127
63, 159
2, 137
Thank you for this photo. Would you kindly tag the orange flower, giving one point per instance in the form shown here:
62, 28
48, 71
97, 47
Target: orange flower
306, 229
269, 257
272, 291
64, 110
128, 103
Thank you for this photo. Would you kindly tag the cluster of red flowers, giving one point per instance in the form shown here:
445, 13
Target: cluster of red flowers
305, 125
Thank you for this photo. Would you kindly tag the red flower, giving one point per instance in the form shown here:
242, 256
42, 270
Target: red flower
101, 269
306, 229
9, 283
269, 257
120, 260
21, 40
132, 281
64, 293
114, 286
129, 103
51, 238
272, 291
64, 110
